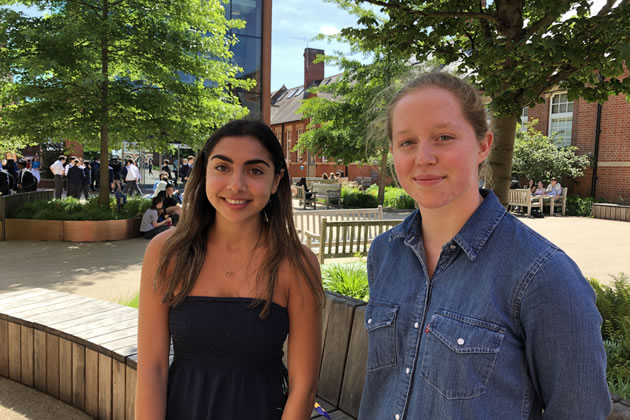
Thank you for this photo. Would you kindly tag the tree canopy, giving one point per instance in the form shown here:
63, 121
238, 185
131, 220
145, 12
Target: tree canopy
513, 51
105, 71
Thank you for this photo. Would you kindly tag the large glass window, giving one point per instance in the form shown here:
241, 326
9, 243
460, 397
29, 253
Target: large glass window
251, 12
248, 56
561, 118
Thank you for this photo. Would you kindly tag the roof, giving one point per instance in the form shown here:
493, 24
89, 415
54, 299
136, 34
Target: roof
286, 101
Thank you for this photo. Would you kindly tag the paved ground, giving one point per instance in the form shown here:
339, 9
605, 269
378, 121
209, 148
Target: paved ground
111, 271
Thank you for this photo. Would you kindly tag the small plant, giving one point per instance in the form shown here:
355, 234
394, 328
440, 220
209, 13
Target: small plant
613, 304
348, 279
72, 209
132, 301
397, 198
352, 197
579, 206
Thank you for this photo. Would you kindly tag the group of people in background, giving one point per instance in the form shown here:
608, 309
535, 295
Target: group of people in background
554, 189
19, 177
76, 175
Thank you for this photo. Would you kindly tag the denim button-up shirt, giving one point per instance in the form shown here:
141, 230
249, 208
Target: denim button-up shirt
506, 329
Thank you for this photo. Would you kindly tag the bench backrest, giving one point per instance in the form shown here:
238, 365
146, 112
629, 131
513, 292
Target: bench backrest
310, 220
351, 237
519, 197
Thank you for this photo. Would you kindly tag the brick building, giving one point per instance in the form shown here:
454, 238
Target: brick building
288, 125
576, 123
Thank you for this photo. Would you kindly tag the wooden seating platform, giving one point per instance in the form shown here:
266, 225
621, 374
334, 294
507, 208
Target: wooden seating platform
84, 351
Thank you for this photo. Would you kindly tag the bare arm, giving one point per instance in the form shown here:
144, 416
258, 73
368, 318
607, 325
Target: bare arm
304, 348
153, 340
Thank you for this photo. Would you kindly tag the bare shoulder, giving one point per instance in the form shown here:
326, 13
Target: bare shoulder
155, 245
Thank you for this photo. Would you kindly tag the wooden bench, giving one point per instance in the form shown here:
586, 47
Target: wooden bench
558, 201
311, 220
306, 199
84, 352
347, 238
328, 193
522, 198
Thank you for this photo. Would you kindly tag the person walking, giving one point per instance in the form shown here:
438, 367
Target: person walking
75, 179
464, 321
26, 180
58, 172
227, 285
132, 178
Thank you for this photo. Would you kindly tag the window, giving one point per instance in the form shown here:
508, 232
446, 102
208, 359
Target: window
561, 118
324, 159
299, 151
288, 145
524, 113
279, 135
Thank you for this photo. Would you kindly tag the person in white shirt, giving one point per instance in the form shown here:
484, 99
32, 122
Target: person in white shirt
58, 172
554, 189
132, 178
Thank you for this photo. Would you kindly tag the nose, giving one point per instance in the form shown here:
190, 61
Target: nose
237, 182
425, 153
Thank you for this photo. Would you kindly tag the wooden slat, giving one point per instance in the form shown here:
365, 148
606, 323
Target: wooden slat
104, 387
26, 355
65, 370
46, 306
356, 366
337, 338
130, 394
118, 390
52, 365
10, 299
15, 357
4, 348
91, 382
40, 359
78, 376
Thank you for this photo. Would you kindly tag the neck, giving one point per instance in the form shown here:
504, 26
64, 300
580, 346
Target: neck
235, 237
440, 225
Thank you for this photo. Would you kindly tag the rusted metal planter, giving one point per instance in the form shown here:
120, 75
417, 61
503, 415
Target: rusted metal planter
71, 230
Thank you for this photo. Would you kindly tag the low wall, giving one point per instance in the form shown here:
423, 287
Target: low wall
9, 203
611, 211
71, 230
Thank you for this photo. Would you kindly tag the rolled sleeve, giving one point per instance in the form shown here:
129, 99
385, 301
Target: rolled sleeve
563, 342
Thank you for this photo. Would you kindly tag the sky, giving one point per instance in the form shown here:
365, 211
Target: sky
294, 25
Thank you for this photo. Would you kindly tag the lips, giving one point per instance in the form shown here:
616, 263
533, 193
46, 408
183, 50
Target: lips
235, 202
428, 180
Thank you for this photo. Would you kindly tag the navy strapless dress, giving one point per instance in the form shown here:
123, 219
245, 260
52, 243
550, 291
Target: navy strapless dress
227, 361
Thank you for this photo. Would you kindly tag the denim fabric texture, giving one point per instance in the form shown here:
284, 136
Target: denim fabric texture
507, 328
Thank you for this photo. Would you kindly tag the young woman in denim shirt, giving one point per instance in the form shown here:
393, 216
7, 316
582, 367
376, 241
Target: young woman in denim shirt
472, 315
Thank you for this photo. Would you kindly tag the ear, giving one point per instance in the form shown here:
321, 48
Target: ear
485, 144
276, 181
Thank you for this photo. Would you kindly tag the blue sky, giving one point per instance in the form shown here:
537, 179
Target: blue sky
294, 24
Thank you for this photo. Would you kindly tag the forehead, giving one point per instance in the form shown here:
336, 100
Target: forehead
427, 106
241, 148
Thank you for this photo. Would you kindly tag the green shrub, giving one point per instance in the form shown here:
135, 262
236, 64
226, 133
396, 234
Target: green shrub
613, 304
352, 197
579, 206
72, 209
132, 301
348, 279
397, 198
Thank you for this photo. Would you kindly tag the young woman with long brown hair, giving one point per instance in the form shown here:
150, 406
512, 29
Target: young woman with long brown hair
227, 285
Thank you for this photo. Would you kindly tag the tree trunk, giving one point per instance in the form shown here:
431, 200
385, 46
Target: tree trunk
382, 175
103, 194
500, 159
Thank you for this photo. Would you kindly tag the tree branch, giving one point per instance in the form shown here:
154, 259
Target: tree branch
435, 13
607, 8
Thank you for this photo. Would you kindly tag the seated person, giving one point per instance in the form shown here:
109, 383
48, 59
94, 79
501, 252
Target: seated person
302, 183
554, 189
161, 184
150, 226
171, 203
540, 189
531, 186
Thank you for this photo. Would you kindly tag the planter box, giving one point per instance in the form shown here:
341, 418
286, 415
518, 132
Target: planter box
611, 211
33, 230
71, 230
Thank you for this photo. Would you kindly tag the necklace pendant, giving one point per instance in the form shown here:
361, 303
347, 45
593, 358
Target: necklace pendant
229, 273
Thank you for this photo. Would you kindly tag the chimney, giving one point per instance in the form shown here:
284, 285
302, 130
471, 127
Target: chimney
312, 72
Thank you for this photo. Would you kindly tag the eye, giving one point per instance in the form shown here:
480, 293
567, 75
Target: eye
445, 137
221, 168
406, 142
256, 171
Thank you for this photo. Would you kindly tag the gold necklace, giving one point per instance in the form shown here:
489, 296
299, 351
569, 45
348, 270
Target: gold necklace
231, 273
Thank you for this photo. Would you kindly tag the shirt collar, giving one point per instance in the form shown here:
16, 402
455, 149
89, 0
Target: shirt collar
472, 236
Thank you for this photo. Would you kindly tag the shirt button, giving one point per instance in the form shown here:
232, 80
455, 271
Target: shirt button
416, 325
407, 371
370, 321
453, 247
460, 341
397, 416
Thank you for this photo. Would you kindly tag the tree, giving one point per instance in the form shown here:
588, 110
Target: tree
106, 71
538, 157
346, 119
512, 50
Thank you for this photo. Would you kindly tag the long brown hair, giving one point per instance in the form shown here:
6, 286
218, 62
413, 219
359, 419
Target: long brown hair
183, 253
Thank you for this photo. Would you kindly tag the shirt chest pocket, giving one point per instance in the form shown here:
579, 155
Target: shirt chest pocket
380, 322
459, 354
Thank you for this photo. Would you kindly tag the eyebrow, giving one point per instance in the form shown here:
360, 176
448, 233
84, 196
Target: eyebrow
247, 162
439, 126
